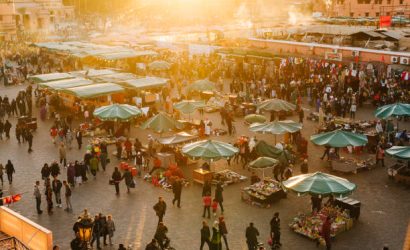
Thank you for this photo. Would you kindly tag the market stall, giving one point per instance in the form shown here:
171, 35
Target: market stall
351, 165
227, 177
97, 94
263, 193
339, 213
400, 172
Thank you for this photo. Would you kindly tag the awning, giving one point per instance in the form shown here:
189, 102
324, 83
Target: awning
146, 82
96, 90
126, 54
93, 72
50, 77
66, 83
115, 78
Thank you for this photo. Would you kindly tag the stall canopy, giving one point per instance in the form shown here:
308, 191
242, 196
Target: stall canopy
209, 150
276, 127
276, 105
159, 65
117, 112
65, 83
399, 152
50, 77
93, 72
319, 184
96, 90
115, 78
202, 85
189, 106
255, 118
339, 139
264, 149
396, 109
146, 82
181, 137
161, 123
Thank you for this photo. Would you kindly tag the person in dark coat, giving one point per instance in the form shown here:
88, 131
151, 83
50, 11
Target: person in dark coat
252, 237
71, 174
77, 243
79, 138
218, 195
275, 230
45, 172
29, 139
116, 177
325, 232
55, 169
160, 208
129, 181
207, 188
7, 127
223, 230
97, 230
177, 190
10, 171
153, 245
161, 235
205, 235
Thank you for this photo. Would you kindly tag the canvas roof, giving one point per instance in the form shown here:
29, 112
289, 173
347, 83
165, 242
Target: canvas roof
146, 82
95, 90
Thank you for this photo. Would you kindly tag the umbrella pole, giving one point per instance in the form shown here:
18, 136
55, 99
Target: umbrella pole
275, 139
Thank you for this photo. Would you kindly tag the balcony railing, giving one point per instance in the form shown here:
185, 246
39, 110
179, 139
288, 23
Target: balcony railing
12, 243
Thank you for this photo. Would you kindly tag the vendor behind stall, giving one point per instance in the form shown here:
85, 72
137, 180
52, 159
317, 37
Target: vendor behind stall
205, 166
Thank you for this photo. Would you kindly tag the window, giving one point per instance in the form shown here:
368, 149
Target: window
388, 1
401, 1
351, 14
378, 1
366, 14
387, 13
1, 18
377, 14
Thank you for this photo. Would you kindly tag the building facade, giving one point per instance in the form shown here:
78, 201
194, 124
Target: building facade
7, 20
32, 16
369, 8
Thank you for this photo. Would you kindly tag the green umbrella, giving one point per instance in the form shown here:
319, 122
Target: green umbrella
209, 150
202, 85
400, 152
189, 106
159, 65
117, 112
255, 118
319, 184
276, 127
264, 149
276, 105
396, 109
339, 139
161, 123
263, 163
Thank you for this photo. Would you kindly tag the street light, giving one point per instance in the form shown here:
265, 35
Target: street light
85, 229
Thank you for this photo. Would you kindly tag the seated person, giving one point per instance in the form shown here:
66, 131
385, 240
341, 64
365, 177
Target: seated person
206, 166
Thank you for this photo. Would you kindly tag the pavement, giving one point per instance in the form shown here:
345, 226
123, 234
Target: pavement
383, 220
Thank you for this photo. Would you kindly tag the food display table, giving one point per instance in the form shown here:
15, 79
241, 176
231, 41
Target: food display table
200, 176
352, 165
310, 225
263, 193
228, 177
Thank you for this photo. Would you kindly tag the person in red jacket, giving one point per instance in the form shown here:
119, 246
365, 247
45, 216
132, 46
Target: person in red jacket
326, 229
207, 200
128, 148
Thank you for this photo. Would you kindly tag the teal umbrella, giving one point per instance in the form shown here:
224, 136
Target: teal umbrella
264, 149
202, 85
339, 139
396, 109
189, 106
400, 152
320, 184
263, 163
159, 65
276, 127
209, 150
276, 105
255, 118
117, 112
161, 123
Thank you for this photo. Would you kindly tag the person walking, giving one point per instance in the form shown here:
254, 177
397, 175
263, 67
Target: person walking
1, 173
71, 174
7, 127
219, 196
116, 178
56, 186
10, 171
223, 230
205, 235
304, 167
49, 198
94, 166
379, 155
45, 172
160, 208
110, 229
207, 188
63, 154
37, 196
78, 173
79, 138
129, 180
207, 201
67, 195
96, 231
216, 237
252, 236
54, 169
177, 190
275, 230
29, 139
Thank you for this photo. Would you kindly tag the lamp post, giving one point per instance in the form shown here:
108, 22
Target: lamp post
85, 230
